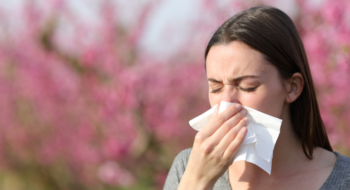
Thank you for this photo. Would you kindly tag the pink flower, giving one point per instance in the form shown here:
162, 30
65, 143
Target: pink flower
111, 173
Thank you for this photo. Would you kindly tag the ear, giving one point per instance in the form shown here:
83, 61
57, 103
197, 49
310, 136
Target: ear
294, 87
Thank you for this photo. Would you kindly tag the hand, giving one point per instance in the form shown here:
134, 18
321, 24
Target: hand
214, 148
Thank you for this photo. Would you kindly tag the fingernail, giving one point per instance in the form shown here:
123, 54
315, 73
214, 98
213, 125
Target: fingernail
238, 106
246, 119
244, 130
243, 112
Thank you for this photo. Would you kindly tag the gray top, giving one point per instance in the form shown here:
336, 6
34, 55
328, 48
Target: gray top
339, 178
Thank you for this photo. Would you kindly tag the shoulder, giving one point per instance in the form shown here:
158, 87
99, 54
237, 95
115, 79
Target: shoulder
177, 169
342, 167
183, 156
340, 176
180, 162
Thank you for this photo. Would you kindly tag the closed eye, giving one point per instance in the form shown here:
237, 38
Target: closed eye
244, 89
215, 90
248, 89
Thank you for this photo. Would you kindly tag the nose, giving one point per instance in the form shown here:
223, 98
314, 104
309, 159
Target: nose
230, 95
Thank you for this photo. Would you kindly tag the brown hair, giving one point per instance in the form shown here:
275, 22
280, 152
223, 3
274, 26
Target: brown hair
271, 32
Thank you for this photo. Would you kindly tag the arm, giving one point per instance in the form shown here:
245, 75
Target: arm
214, 148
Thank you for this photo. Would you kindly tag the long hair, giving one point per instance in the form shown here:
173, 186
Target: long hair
271, 32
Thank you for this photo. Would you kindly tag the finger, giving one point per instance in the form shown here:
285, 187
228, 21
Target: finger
231, 135
202, 134
220, 133
232, 146
217, 119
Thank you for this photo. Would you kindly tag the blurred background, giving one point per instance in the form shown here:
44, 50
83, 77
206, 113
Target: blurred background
97, 94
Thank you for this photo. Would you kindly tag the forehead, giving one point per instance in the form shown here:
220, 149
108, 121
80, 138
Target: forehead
235, 59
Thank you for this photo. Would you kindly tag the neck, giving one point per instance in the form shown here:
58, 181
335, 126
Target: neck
288, 149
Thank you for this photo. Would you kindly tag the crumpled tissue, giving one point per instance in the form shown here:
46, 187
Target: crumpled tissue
258, 145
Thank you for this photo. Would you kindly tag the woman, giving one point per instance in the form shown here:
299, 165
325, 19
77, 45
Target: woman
257, 59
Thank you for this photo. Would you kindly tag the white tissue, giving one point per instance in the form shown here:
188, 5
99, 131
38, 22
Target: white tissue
258, 145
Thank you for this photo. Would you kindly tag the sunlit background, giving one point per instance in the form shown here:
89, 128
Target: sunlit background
97, 94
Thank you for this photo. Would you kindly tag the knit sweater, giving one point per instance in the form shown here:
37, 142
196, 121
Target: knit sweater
339, 178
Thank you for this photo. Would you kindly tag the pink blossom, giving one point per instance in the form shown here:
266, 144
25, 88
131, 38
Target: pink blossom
84, 98
111, 173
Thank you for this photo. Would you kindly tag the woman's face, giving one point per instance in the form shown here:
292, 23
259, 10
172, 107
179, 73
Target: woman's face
239, 74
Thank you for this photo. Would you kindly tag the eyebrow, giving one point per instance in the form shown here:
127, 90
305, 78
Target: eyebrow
234, 79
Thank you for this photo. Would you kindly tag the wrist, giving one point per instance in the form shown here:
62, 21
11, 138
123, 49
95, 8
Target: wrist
189, 182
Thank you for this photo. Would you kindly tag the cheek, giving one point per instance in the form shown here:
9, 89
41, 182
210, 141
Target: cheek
214, 99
